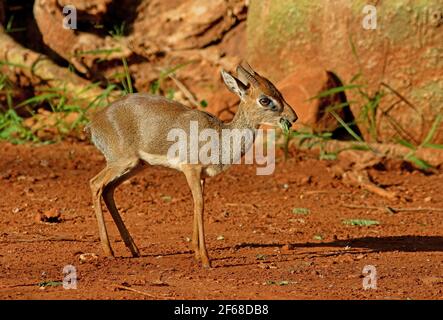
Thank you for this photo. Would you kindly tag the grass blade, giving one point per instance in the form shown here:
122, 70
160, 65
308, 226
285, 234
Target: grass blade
332, 91
432, 131
348, 129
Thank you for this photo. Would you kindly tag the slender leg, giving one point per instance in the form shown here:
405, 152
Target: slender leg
193, 175
195, 242
97, 189
109, 179
108, 197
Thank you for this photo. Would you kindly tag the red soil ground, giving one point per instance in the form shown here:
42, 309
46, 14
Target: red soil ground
260, 249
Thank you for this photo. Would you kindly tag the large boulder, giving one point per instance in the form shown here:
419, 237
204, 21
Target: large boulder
402, 58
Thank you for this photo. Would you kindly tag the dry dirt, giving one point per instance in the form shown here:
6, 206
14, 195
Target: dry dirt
259, 247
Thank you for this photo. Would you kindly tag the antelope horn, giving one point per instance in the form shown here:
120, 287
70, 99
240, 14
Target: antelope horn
246, 74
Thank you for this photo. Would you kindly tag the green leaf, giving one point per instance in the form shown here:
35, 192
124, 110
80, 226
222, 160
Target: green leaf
420, 163
303, 211
345, 125
50, 284
98, 51
433, 129
406, 143
128, 84
433, 146
318, 237
335, 90
203, 103
360, 222
39, 99
330, 156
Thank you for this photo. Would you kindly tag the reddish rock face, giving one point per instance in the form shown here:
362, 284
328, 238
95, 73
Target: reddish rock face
400, 60
297, 89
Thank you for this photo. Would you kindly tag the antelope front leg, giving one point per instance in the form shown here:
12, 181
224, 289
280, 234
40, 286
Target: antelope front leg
193, 176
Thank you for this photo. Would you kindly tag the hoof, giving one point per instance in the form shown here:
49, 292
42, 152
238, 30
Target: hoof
108, 252
135, 252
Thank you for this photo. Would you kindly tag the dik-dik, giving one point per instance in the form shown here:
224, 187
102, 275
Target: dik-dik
133, 131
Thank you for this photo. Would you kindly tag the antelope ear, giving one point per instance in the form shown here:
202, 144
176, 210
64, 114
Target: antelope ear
234, 85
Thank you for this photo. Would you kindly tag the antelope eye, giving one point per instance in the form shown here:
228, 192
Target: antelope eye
265, 101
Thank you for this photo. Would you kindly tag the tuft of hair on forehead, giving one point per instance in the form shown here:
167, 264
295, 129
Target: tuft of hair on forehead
268, 88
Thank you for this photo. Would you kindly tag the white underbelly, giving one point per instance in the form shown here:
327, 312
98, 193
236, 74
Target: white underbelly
161, 160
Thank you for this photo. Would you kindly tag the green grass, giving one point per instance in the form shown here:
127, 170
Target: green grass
426, 143
367, 120
118, 31
58, 101
310, 139
50, 284
127, 82
156, 86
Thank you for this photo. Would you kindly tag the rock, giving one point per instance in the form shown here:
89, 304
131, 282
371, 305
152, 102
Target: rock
298, 37
299, 89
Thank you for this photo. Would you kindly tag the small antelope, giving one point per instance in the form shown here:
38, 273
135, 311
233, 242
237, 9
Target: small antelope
132, 132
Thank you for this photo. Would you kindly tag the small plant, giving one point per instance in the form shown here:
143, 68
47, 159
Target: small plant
426, 143
203, 103
166, 198
156, 86
118, 31
13, 130
311, 139
303, 211
318, 237
9, 28
45, 284
127, 82
360, 222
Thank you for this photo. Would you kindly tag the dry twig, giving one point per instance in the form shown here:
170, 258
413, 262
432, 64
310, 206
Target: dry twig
121, 287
